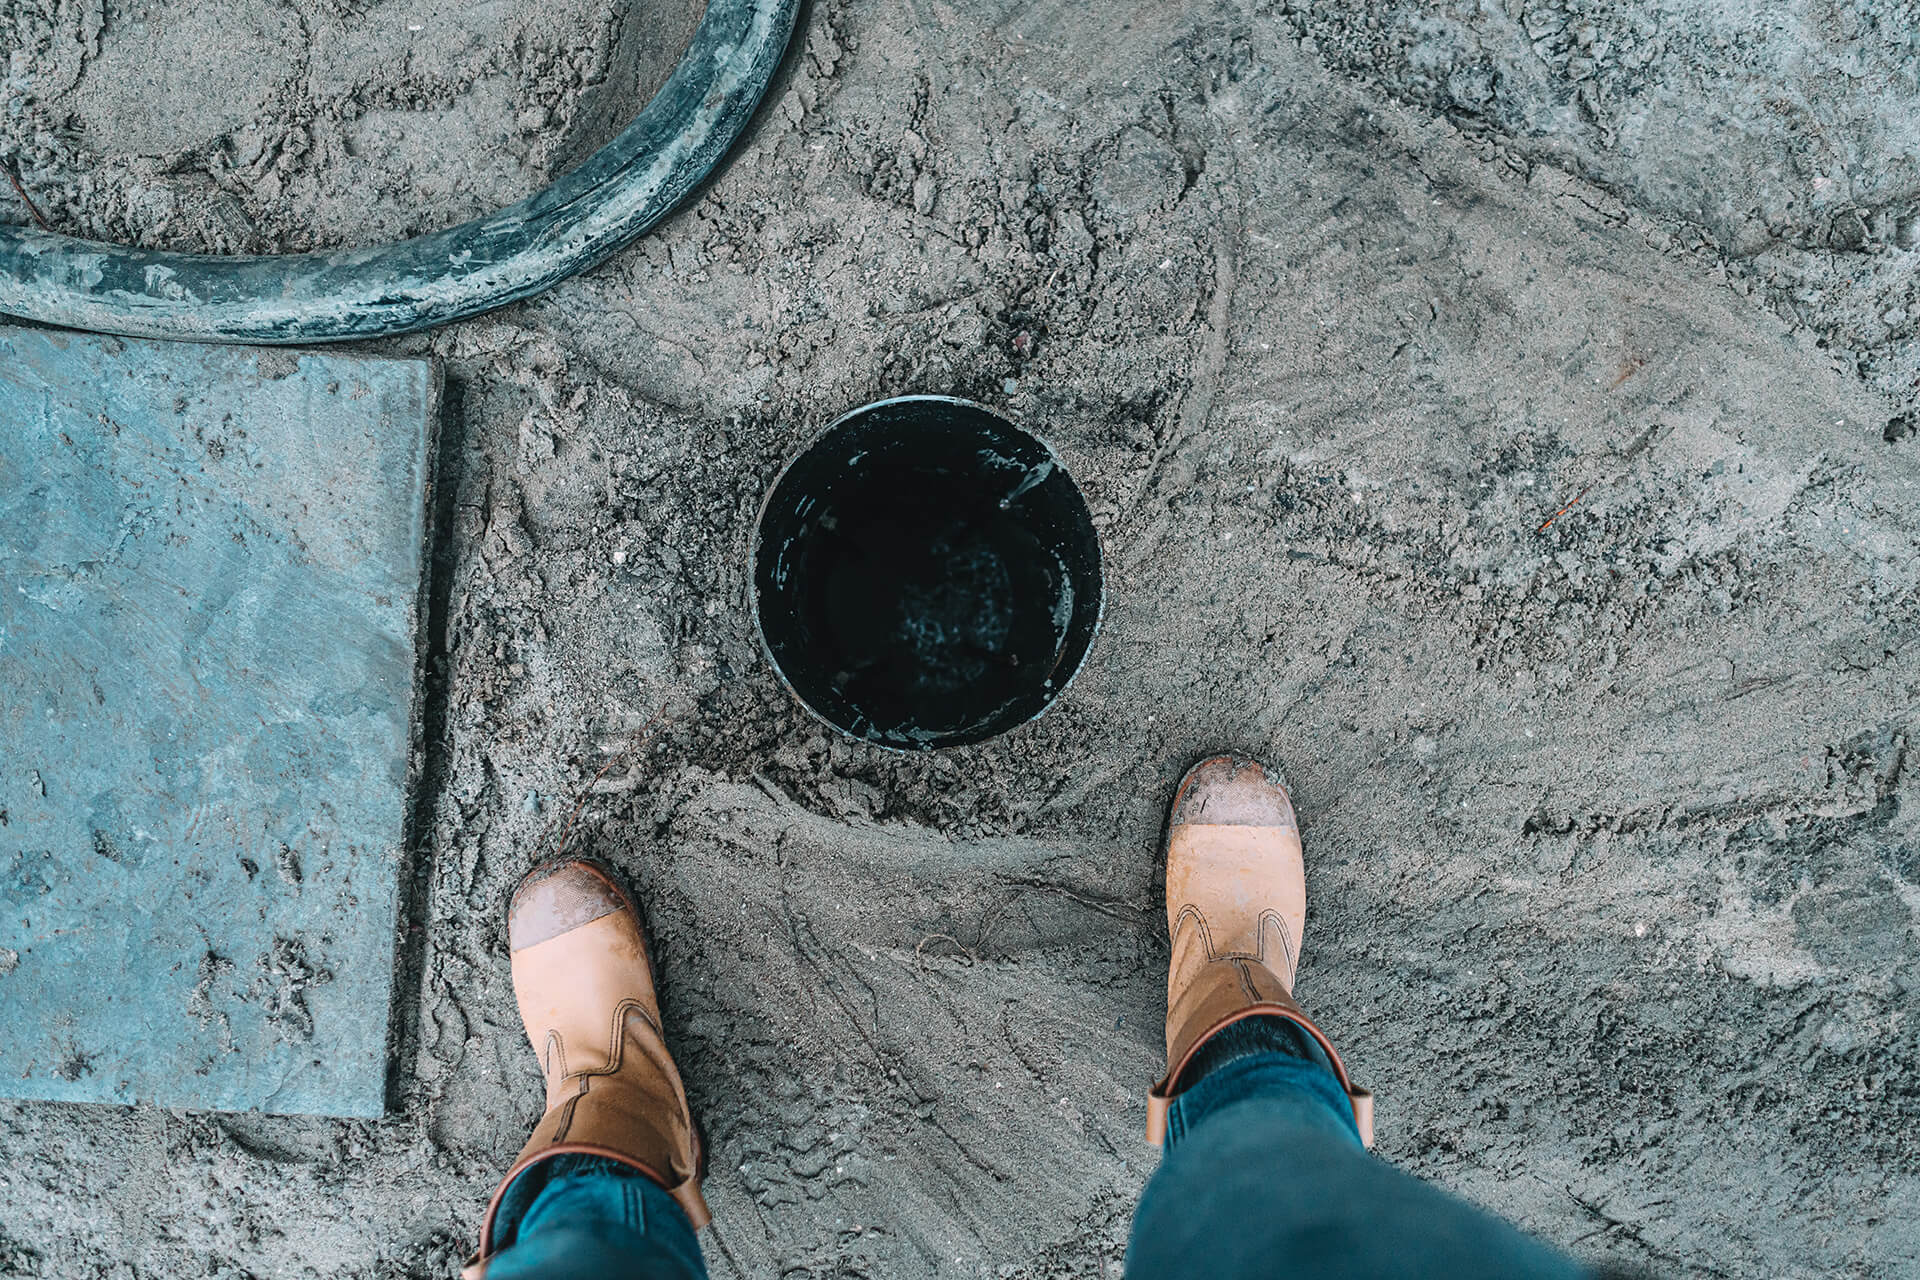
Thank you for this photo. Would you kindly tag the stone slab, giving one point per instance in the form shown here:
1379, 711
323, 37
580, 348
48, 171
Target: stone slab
210, 571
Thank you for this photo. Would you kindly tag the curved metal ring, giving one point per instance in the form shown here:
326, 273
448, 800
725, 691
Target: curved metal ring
616, 196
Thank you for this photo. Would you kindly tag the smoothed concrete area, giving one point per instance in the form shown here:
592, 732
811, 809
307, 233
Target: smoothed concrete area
210, 561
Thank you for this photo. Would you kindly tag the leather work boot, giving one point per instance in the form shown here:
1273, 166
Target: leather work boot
584, 983
1236, 902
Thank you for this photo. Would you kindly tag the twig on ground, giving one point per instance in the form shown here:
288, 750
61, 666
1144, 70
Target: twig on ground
1562, 511
645, 735
25, 199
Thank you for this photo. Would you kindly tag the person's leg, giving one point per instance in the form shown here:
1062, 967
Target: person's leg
1265, 1171
1264, 1175
586, 1218
609, 1183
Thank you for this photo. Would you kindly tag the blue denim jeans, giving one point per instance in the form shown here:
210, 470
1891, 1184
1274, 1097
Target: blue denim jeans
1263, 1176
585, 1218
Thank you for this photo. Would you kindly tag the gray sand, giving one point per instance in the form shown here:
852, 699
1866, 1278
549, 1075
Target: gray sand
1611, 823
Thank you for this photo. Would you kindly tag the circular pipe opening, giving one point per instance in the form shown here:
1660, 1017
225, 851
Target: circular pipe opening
926, 574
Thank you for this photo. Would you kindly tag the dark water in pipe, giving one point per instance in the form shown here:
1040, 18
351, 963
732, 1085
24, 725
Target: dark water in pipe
927, 574
933, 600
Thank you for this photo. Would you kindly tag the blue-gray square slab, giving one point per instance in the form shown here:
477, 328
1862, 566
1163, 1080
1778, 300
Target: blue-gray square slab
210, 582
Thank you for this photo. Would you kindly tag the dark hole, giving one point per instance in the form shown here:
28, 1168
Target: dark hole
927, 574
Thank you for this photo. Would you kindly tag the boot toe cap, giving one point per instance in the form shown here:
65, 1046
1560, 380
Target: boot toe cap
1232, 790
560, 897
